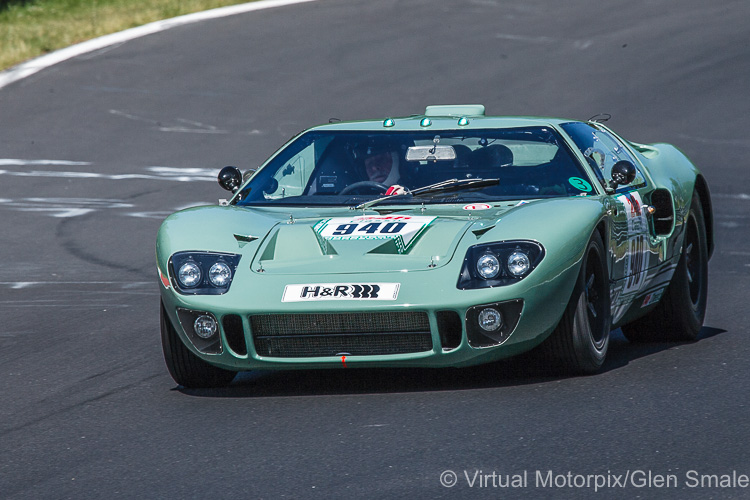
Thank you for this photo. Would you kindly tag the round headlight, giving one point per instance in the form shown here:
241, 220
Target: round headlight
220, 274
518, 263
205, 326
490, 319
488, 266
189, 274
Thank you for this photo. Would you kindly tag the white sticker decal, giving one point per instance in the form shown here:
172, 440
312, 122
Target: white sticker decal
478, 206
403, 229
340, 291
636, 261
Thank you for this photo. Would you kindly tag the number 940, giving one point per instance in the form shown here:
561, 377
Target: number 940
369, 228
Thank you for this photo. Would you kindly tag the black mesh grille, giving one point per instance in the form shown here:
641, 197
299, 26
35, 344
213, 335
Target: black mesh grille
354, 345
314, 335
234, 333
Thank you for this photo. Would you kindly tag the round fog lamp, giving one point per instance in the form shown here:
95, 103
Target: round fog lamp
220, 274
189, 274
490, 319
518, 263
488, 266
205, 326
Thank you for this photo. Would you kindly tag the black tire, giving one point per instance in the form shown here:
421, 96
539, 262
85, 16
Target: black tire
680, 313
187, 369
580, 341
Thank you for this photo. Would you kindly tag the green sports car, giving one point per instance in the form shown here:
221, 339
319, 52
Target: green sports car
448, 238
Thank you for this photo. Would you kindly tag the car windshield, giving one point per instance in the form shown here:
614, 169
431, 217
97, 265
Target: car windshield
340, 168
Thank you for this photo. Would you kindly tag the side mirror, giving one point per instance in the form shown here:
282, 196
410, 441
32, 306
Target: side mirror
623, 173
230, 178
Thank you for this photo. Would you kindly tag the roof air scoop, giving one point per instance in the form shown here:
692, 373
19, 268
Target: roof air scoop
455, 110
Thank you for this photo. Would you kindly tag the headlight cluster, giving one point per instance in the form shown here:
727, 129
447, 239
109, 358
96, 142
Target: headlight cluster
498, 264
207, 273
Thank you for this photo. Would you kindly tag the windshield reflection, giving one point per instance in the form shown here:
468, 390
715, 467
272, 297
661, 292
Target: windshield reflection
352, 168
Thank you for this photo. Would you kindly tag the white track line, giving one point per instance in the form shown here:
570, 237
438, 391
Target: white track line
28, 68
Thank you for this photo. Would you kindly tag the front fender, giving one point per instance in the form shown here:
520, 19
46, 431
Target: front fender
563, 226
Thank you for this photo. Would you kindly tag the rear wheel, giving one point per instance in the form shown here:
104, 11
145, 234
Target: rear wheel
580, 341
680, 313
186, 368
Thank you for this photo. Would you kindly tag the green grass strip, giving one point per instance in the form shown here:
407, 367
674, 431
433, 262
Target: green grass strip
31, 28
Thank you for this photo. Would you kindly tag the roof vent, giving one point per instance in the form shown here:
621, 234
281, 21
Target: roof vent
455, 110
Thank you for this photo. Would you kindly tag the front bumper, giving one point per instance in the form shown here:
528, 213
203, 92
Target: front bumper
430, 325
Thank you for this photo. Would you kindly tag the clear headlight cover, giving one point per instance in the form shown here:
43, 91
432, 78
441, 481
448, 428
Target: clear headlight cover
488, 266
220, 274
518, 263
205, 326
189, 274
499, 264
490, 319
203, 273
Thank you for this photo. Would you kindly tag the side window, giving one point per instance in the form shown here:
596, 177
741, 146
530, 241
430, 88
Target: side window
292, 178
602, 150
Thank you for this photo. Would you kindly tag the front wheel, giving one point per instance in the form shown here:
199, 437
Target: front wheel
580, 341
680, 313
186, 368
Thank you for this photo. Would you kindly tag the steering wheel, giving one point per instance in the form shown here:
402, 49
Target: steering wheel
369, 185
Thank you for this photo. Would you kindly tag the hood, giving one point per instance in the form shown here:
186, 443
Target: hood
363, 243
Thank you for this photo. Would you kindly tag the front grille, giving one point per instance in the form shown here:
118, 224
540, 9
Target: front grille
355, 334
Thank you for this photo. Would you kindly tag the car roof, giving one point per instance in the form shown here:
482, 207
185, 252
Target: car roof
443, 117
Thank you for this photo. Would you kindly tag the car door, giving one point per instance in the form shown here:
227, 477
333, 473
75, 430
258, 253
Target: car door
633, 250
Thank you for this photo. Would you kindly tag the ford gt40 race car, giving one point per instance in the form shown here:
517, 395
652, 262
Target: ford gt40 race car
444, 239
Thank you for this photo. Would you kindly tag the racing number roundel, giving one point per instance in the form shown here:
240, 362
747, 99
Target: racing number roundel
580, 184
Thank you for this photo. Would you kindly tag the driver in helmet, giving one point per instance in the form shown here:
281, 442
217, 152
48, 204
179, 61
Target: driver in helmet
381, 165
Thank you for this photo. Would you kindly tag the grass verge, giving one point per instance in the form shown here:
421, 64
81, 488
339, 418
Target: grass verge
31, 28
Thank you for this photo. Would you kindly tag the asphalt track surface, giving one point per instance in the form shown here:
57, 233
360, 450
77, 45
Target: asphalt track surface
94, 152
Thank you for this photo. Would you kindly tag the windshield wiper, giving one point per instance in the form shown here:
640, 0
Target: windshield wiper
438, 187
454, 185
